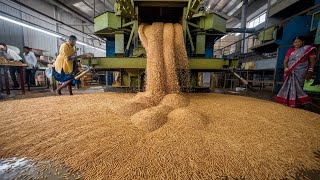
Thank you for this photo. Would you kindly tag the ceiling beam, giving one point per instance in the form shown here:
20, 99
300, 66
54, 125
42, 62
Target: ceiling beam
52, 18
106, 4
232, 6
219, 5
71, 2
73, 11
227, 5
84, 24
213, 5
91, 7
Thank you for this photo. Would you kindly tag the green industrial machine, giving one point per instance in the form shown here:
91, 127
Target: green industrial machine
120, 28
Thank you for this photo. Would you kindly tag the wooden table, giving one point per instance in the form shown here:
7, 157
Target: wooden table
6, 67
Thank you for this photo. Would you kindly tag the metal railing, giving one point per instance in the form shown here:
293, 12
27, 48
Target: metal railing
236, 49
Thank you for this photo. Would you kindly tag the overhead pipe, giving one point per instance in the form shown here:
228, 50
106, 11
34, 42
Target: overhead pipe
240, 30
91, 7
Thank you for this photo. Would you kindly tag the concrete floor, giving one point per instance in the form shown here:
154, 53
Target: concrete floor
24, 168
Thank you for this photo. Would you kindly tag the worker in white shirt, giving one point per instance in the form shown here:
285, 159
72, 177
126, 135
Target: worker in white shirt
4, 54
31, 60
15, 57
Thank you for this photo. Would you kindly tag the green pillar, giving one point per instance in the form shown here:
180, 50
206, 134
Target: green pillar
201, 44
119, 44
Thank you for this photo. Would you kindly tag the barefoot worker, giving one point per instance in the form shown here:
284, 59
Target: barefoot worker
65, 65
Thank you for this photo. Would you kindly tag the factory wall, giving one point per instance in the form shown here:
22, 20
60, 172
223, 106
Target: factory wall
10, 34
19, 36
38, 40
69, 19
230, 39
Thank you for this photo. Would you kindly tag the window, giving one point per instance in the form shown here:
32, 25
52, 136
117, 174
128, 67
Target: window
257, 20
263, 18
250, 24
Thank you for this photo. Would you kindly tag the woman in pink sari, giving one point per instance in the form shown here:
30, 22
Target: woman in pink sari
299, 65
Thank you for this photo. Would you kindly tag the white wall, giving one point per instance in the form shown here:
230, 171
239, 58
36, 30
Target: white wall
10, 33
19, 36
39, 40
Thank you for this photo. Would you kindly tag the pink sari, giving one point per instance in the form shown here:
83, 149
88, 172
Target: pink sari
291, 92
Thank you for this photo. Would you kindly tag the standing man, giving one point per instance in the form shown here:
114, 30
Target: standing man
65, 65
14, 57
31, 60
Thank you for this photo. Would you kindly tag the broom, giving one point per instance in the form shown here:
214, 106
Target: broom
245, 82
79, 75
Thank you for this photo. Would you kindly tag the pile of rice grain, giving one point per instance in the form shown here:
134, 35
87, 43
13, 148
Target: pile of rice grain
186, 119
152, 118
175, 101
242, 138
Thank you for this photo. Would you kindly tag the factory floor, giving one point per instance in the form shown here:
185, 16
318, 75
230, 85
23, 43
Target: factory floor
268, 95
37, 92
14, 167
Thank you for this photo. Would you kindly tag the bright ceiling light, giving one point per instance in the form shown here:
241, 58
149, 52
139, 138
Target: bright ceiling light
30, 27
235, 9
43, 31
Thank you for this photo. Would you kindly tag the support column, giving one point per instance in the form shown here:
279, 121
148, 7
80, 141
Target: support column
119, 44
136, 27
184, 24
201, 44
244, 15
